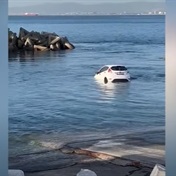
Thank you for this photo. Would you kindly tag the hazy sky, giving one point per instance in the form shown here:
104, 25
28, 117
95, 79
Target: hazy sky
16, 3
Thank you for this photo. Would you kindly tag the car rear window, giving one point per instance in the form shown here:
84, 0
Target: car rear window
118, 68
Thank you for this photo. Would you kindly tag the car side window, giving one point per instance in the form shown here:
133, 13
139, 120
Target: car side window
103, 69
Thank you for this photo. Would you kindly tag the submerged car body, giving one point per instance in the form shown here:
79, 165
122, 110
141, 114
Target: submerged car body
113, 73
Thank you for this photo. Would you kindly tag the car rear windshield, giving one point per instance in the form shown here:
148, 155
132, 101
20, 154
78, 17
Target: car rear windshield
118, 68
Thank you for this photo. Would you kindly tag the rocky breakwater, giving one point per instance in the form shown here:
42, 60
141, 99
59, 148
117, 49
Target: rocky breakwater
36, 41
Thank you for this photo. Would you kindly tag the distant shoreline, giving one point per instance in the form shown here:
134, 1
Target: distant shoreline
84, 15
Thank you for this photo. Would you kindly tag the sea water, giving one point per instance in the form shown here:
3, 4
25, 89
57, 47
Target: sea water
54, 98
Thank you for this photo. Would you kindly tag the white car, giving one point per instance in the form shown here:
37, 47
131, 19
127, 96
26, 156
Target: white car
113, 73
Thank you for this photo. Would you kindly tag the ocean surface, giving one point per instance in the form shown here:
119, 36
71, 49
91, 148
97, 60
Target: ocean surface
54, 98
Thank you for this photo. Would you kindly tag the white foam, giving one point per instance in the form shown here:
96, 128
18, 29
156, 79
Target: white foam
51, 145
147, 154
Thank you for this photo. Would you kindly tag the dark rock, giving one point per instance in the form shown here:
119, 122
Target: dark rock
23, 32
30, 41
20, 44
12, 48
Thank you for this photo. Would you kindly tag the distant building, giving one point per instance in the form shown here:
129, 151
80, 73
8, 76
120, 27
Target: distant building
31, 14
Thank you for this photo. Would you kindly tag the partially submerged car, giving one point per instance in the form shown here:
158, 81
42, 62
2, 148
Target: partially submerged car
113, 73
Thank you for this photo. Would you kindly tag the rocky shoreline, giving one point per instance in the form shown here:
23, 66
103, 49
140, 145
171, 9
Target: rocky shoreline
37, 41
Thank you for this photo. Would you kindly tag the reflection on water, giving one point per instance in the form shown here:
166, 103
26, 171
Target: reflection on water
24, 56
112, 91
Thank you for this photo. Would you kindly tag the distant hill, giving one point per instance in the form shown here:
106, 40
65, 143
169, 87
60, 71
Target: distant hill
62, 8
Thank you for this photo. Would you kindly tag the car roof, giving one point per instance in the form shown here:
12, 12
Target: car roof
113, 65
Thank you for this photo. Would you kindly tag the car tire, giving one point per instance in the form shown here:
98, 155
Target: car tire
105, 80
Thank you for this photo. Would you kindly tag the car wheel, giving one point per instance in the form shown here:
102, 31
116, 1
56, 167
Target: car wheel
105, 80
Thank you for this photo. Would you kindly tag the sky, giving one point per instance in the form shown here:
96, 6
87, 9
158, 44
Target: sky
19, 3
